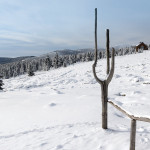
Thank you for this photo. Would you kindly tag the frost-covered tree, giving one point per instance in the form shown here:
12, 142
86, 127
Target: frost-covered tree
88, 57
103, 54
64, 64
60, 61
100, 55
71, 59
79, 57
1, 83
30, 71
65, 61
55, 61
83, 57
48, 63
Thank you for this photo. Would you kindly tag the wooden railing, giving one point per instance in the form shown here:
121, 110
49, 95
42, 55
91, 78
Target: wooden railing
133, 123
129, 115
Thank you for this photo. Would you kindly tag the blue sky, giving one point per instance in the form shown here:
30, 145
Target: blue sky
35, 27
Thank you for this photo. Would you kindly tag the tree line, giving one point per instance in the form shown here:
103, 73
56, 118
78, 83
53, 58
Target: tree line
46, 63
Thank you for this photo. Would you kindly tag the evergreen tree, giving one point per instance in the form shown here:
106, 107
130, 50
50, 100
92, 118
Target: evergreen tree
60, 61
1, 83
83, 57
64, 64
70, 59
100, 55
55, 61
30, 71
88, 58
48, 63
79, 57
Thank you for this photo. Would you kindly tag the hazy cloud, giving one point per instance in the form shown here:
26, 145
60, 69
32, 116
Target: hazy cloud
33, 27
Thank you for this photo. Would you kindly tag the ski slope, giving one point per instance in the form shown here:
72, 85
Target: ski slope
61, 109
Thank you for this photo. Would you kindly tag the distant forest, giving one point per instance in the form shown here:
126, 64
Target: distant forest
53, 61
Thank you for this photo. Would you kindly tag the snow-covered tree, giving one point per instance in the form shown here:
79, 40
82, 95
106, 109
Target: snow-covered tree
1, 83
30, 71
55, 61
48, 63
88, 57
83, 57
100, 55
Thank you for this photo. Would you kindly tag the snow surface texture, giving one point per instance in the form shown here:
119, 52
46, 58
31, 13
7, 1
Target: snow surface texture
61, 109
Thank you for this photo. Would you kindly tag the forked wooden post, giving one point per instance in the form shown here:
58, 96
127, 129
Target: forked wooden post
104, 83
133, 134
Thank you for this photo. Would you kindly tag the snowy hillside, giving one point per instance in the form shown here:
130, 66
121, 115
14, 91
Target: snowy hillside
61, 109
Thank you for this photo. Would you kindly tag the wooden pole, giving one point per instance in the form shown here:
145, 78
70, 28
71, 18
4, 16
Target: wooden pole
107, 51
132, 134
104, 92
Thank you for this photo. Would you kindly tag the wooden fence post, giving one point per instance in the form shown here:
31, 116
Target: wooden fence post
104, 93
133, 134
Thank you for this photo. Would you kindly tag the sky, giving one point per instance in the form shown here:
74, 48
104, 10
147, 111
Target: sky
36, 27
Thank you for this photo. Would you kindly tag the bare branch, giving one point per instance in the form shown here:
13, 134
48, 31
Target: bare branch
109, 78
107, 51
95, 62
95, 76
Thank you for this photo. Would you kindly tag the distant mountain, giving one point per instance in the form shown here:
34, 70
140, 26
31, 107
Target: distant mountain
4, 60
122, 46
69, 52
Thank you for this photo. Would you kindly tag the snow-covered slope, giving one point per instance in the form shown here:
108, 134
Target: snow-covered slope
61, 109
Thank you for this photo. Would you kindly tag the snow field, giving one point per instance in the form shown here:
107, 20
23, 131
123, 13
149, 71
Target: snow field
61, 109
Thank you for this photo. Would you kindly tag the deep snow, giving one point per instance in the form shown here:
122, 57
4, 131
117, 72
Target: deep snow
61, 109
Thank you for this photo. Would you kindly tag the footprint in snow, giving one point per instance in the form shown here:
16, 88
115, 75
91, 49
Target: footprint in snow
135, 92
129, 75
119, 103
43, 93
146, 82
58, 92
145, 140
121, 94
59, 147
137, 79
75, 136
118, 115
43, 144
52, 104
117, 76
141, 129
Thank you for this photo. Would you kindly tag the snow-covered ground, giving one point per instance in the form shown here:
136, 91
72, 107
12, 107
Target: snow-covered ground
61, 109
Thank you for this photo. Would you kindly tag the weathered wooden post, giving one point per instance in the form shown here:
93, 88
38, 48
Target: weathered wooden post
133, 134
104, 83
107, 51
